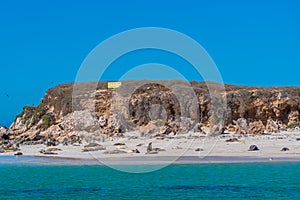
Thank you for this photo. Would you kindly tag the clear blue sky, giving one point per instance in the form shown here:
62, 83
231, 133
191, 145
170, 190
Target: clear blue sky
43, 43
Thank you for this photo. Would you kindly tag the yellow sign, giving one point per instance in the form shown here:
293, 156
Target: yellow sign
113, 85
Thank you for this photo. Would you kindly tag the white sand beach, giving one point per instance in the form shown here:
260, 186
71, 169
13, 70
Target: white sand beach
181, 149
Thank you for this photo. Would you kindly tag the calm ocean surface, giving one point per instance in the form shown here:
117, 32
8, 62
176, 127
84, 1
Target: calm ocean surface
205, 181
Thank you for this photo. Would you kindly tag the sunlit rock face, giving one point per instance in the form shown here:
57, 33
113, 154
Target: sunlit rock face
162, 108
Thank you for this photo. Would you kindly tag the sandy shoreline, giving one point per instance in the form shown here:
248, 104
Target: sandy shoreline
122, 161
180, 149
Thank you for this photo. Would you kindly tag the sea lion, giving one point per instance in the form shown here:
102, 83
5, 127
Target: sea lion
149, 148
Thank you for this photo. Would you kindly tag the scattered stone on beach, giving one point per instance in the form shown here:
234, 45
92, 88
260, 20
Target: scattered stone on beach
119, 144
138, 145
2, 151
297, 139
285, 149
18, 154
199, 149
116, 151
232, 140
253, 148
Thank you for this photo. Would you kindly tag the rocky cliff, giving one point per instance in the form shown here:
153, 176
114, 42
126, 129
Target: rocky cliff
94, 112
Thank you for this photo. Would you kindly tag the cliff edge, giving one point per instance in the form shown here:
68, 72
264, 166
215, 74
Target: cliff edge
94, 113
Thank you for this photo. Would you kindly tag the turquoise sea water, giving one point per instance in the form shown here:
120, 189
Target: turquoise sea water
206, 181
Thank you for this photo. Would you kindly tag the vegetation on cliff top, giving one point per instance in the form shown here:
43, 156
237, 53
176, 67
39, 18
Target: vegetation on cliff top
294, 125
251, 103
32, 114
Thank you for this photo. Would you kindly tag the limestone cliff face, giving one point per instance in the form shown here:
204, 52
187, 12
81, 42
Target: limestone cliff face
154, 108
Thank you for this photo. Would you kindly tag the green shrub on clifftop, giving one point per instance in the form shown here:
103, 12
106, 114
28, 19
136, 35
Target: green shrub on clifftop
294, 125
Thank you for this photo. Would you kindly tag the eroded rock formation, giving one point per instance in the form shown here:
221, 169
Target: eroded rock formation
69, 113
